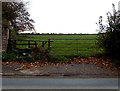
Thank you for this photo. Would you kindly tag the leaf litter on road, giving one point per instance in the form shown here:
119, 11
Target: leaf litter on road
100, 62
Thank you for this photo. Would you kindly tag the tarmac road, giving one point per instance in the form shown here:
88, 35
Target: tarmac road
58, 83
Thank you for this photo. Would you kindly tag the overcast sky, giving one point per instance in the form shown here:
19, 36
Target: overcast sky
68, 16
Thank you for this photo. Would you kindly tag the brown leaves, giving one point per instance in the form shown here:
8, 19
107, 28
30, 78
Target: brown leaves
101, 62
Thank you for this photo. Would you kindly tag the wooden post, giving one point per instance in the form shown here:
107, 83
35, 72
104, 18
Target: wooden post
35, 44
9, 46
15, 44
28, 44
42, 43
48, 43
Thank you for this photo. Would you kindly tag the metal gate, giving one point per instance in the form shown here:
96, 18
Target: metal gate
74, 47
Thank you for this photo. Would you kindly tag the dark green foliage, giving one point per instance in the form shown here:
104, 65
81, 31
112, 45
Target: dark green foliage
24, 56
10, 56
30, 55
109, 35
15, 17
111, 43
17, 55
15, 14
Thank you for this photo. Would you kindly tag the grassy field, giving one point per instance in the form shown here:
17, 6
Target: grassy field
68, 47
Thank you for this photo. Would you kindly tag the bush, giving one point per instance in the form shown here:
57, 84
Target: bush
8, 57
109, 35
32, 54
43, 55
16, 55
111, 44
39, 53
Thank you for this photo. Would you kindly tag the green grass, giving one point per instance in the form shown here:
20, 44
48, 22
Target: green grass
67, 47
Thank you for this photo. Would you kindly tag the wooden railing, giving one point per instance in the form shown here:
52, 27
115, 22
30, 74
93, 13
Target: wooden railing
28, 43
62, 46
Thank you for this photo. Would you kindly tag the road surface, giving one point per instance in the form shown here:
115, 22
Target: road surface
58, 83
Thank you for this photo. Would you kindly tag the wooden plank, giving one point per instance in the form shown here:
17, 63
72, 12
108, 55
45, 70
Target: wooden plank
31, 40
23, 40
46, 41
25, 44
29, 44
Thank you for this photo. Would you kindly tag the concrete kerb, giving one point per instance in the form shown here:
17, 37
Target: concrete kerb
52, 75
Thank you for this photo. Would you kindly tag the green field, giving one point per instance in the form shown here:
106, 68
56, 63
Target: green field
59, 46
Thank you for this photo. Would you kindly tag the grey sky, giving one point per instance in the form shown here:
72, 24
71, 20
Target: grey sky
68, 16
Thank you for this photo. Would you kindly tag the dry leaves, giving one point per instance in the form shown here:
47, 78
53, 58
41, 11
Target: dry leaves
101, 62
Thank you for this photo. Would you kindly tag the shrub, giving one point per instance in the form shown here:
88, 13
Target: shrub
43, 55
109, 35
8, 57
32, 54
39, 53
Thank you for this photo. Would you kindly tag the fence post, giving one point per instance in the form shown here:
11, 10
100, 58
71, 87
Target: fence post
77, 46
15, 44
35, 44
48, 43
42, 43
28, 44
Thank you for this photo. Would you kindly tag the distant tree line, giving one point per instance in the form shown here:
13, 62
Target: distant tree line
55, 34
